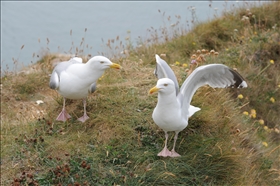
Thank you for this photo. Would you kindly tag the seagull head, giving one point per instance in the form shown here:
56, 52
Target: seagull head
102, 63
164, 86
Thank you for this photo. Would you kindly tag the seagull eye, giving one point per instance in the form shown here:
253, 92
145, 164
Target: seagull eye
165, 84
101, 62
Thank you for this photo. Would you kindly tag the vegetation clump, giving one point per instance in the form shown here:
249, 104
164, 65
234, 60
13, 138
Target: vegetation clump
233, 140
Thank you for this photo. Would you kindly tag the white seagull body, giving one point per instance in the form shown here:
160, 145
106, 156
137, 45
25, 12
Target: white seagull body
75, 80
173, 108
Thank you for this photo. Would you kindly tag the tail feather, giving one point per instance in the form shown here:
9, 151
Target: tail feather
192, 110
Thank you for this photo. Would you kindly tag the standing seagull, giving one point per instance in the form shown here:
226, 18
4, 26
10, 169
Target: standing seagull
75, 80
173, 108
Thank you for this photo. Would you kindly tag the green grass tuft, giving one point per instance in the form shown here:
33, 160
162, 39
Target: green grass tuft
233, 140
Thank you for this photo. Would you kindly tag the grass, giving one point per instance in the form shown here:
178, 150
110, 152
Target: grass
233, 140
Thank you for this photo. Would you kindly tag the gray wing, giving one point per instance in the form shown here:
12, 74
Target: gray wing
214, 75
92, 88
78, 59
55, 76
164, 71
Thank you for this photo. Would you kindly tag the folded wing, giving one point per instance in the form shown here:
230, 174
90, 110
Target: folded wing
92, 88
55, 76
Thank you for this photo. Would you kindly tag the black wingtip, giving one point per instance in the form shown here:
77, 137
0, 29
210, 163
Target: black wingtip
239, 80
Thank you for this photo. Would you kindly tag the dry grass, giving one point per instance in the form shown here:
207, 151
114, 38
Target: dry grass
118, 145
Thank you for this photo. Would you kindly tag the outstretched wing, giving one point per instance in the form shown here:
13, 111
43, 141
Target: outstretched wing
55, 76
164, 71
214, 75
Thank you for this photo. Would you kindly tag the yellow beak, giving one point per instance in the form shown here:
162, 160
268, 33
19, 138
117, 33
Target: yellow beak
115, 65
153, 90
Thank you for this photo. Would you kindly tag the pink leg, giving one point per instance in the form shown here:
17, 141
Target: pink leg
85, 116
173, 153
63, 116
165, 152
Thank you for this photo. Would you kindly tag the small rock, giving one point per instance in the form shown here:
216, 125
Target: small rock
39, 102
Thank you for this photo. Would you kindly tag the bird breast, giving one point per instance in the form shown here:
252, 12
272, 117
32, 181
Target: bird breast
169, 118
73, 87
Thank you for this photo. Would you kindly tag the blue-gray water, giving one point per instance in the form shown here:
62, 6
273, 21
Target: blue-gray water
25, 23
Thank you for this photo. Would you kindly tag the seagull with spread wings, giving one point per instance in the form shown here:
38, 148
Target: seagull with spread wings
173, 108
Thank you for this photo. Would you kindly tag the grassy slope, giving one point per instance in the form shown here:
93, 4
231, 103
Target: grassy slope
118, 145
